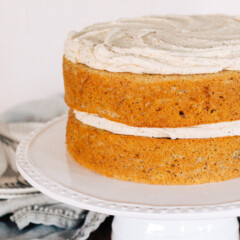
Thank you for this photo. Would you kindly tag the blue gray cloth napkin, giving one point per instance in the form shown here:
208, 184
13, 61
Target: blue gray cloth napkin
32, 215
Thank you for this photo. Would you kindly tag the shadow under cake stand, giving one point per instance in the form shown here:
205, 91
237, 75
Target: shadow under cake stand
198, 212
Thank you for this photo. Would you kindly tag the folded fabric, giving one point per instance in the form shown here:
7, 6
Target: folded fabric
35, 215
36, 111
60, 215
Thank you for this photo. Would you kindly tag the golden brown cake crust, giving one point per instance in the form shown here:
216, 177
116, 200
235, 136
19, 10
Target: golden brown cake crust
146, 100
153, 161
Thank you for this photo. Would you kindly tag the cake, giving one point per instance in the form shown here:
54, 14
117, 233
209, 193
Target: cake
156, 99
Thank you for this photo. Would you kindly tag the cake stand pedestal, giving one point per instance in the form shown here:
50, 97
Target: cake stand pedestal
141, 229
142, 212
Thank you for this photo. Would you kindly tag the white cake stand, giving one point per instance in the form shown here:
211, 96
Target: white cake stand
199, 212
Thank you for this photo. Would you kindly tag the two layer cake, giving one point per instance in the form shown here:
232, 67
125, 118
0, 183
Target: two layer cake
156, 99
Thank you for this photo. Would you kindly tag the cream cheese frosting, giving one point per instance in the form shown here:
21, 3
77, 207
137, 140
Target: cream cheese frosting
213, 130
159, 45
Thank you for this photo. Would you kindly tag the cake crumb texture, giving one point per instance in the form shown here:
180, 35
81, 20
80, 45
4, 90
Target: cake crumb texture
152, 160
153, 100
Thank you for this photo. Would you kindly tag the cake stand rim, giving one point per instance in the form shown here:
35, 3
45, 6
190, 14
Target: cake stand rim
63, 194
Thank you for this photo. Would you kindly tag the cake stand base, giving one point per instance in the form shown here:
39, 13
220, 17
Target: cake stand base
142, 229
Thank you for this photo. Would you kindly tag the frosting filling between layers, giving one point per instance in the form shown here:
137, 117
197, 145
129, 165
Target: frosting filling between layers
159, 45
213, 130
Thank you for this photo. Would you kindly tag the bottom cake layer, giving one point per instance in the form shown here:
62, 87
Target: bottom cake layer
152, 160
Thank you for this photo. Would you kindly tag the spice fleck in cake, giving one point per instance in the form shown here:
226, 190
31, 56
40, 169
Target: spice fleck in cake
156, 99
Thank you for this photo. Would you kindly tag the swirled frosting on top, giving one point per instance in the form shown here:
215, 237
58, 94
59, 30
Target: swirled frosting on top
159, 45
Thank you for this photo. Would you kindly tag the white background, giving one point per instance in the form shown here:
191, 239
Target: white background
32, 34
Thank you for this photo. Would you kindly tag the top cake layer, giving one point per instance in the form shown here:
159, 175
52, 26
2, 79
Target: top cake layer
159, 45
